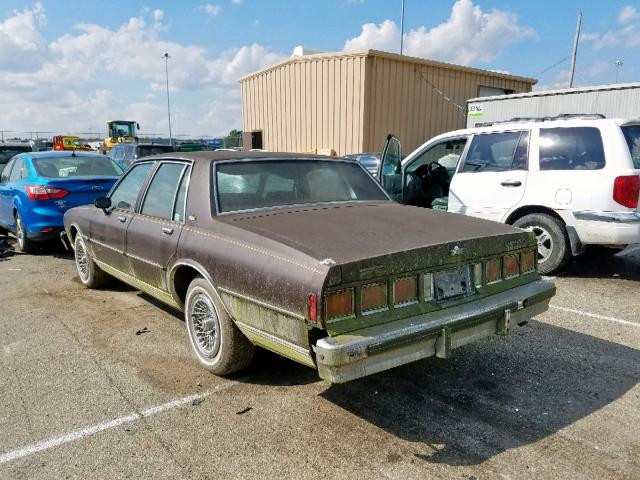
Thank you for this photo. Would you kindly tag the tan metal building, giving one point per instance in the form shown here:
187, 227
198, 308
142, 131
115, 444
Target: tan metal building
350, 101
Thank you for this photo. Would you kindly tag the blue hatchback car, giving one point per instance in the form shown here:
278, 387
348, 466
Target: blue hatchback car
36, 188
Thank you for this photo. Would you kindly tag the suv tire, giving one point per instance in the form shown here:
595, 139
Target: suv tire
553, 242
216, 341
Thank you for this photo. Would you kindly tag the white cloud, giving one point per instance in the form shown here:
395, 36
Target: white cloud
628, 14
469, 35
384, 36
101, 72
625, 35
211, 9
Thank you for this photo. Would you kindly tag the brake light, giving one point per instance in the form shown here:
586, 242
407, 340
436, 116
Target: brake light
493, 270
511, 266
405, 291
339, 304
528, 262
374, 297
42, 192
626, 190
313, 307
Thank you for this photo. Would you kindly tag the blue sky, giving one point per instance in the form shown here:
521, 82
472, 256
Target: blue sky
70, 65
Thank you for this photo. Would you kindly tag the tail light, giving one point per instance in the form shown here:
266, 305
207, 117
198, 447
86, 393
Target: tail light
528, 262
374, 297
42, 192
339, 304
313, 307
626, 190
511, 266
405, 291
493, 270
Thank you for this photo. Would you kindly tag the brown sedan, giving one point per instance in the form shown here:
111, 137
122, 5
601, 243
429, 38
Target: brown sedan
306, 256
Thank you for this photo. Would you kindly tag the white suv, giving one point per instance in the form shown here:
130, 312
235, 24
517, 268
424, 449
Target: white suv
573, 180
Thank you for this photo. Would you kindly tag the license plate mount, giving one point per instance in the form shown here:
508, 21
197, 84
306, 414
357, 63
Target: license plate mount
452, 283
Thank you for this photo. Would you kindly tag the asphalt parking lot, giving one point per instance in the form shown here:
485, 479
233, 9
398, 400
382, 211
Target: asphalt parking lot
101, 384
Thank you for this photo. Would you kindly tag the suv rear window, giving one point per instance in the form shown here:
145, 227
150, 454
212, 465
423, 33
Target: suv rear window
6, 152
632, 135
577, 148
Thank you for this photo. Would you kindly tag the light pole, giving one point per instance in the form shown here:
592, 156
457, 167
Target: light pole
401, 26
618, 64
166, 70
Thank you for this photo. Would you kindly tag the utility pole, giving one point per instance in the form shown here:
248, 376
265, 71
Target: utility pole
166, 70
574, 54
401, 26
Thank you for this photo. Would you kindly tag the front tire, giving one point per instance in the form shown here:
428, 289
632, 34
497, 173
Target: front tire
89, 273
216, 341
553, 242
26, 245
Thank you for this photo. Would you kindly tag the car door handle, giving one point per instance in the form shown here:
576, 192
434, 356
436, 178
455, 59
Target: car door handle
167, 231
122, 219
511, 183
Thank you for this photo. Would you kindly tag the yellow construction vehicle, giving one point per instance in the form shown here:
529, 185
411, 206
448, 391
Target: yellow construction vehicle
120, 131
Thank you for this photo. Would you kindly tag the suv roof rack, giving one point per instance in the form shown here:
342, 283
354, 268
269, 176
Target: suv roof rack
562, 116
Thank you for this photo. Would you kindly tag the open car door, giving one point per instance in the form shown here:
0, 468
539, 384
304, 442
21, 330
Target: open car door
390, 168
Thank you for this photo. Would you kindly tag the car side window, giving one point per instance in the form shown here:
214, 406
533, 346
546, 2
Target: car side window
446, 153
125, 194
497, 152
179, 210
162, 192
575, 148
6, 171
17, 172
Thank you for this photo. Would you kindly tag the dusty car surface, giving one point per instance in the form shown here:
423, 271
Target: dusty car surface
306, 256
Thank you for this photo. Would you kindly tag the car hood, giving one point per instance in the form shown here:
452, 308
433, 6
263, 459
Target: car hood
352, 232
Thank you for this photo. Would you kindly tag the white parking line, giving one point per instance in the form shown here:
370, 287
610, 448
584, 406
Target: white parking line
595, 315
116, 422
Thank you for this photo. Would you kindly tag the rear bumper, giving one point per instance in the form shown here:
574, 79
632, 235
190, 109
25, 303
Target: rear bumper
610, 228
350, 356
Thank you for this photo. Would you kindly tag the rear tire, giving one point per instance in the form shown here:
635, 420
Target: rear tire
89, 273
26, 245
216, 341
553, 242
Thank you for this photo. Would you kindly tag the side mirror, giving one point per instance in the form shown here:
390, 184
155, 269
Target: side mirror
102, 203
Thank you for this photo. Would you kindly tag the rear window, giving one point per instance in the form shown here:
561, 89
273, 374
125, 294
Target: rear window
251, 185
76, 166
632, 135
578, 148
145, 151
7, 152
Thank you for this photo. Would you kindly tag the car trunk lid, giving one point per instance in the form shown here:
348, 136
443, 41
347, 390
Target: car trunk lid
81, 190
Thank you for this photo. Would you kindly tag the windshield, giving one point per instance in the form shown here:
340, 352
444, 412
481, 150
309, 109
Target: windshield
7, 152
632, 135
250, 185
123, 129
76, 166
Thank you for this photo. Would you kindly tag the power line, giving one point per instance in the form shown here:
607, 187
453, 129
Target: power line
440, 92
552, 66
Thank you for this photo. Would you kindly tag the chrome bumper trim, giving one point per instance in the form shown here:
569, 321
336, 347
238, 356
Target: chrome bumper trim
354, 355
615, 217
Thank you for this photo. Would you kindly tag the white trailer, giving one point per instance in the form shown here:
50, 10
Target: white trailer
621, 100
